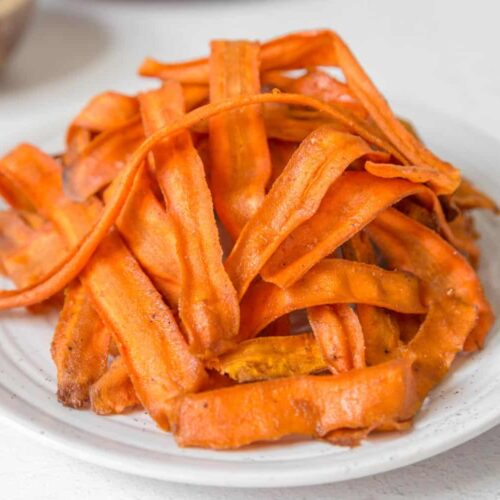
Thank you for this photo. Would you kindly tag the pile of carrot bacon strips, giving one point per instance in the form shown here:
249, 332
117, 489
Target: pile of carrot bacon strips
185, 231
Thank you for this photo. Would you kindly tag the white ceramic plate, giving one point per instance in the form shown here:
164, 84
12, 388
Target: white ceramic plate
465, 405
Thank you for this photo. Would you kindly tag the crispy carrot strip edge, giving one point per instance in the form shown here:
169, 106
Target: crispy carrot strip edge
307, 405
208, 306
76, 260
79, 348
458, 311
339, 334
271, 357
113, 393
240, 160
331, 281
352, 202
293, 198
380, 327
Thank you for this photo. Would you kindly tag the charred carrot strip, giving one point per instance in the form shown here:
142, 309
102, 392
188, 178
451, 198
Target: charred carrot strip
312, 406
409, 245
79, 348
148, 230
394, 130
76, 259
351, 202
293, 198
339, 335
331, 281
113, 393
380, 327
271, 357
240, 160
208, 306
101, 161
159, 362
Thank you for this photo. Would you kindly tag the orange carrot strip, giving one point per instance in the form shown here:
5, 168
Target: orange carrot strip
331, 281
380, 327
195, 95
76, 259
351, 202
79, 348
281, 152
409, 245
467, 196
148, 338
148, 230
271, 357
413, 173
293, 198
208, 306
297, 50
113, 393
395, 131
339, 335
103, 159
306, 405
240, 160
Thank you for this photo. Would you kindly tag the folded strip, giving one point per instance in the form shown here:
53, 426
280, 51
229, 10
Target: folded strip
308, 405
113, 393
293, 198
240, 163
265, 358
350, 204
76, 259
413, 173
380, 327
208, 305
331, 281
339, 334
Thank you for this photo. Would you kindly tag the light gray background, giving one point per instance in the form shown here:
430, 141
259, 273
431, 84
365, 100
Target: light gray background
443, 52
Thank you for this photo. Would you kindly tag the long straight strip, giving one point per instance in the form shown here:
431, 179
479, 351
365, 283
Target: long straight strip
331, 281
339, 335
380, 327
294, 197
208, 306
352, 201
240, 160
79, 348
368, 398
412, 246
148, 338
394, 130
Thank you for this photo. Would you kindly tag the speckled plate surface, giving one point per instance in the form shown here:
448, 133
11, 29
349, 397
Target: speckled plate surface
464, 406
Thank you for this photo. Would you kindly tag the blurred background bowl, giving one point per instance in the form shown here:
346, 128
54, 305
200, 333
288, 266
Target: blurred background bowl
14, 18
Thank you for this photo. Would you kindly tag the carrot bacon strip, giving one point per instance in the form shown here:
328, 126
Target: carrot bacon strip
148, 230
79, 348
76, 259
413, 173
240, 160
331, 281
113, 393
395, 131
100, 162
467, 196
148, 338
271, 357
293, 198
340, 337
380, 327
458, 310
208, 305
312, 406
281, 152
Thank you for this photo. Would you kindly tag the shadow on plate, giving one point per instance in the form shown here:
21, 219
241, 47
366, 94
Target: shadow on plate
57, 44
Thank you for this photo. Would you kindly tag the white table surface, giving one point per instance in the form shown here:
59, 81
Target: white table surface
443, 52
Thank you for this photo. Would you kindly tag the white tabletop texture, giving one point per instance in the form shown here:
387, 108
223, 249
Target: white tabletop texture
443, 52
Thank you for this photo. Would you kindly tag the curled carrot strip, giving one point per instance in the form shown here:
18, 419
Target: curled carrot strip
331, 281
